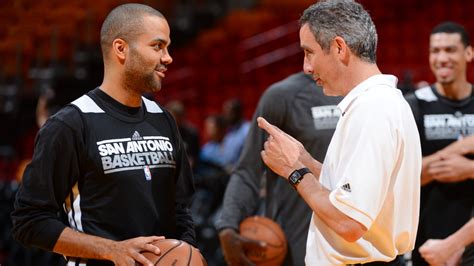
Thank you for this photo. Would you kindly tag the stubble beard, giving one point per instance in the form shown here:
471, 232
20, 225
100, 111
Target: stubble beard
140, 79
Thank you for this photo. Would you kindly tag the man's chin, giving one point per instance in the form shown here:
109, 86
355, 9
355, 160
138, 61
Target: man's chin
445, 81
154, 88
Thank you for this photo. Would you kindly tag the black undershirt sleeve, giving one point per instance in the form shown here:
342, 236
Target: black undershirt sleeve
38, 216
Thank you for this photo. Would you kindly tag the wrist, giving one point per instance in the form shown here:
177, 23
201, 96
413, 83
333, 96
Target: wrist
297, 176
227, 232
110, 247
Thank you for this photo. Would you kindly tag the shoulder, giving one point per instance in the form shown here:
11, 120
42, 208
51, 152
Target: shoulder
70, 115
152, 106
65, 124
381, 101
425, 94
159, 114
290, 85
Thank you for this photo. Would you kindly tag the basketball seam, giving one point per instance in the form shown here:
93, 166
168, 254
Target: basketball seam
283, 241
276, 234
190, 255
168, 251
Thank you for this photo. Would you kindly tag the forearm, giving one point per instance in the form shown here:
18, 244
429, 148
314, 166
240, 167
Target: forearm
313, 165
317, 197
426, 178
240, 199
185, 224
464, 236
76, 244
461, 147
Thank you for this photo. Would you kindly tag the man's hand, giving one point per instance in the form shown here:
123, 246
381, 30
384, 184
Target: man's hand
128, 252
282, 153
426, 177
451, 168
439, 252
234, 247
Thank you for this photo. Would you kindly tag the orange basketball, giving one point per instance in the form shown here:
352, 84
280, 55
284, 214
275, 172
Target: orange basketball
263, 229
175, 252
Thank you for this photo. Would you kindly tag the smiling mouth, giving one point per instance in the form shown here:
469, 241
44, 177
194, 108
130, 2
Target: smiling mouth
444, 70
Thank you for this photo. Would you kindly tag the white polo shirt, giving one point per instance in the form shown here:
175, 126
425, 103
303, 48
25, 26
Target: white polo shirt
372, 169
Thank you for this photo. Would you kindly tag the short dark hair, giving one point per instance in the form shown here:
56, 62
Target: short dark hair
453, 27
345, 18
125, 22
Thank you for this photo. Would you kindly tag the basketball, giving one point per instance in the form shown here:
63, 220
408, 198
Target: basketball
266, 230
175, 252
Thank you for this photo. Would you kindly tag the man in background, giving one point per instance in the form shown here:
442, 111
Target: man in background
298, 106
444, 113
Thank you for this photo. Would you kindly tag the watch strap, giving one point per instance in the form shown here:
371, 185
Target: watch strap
296, 176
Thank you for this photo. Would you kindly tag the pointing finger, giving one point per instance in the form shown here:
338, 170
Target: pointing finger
269, 128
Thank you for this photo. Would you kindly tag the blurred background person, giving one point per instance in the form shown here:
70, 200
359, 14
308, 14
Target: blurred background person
444, 112
297, 106
237, 129
189, 133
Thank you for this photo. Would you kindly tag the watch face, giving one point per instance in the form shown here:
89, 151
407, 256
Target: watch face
294, 177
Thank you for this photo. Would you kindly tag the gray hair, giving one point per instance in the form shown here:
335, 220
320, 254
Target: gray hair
328, 19
125, 22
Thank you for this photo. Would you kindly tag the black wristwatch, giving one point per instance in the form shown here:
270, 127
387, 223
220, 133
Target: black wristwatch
295, 178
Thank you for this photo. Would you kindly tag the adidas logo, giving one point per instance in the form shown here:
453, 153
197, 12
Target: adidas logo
136, 136
346, 187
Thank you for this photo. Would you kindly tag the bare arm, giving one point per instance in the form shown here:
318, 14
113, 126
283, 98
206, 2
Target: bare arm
449, 164
461, 147
452, 168
317, 197
283, 154
464, 236
313, 165
442, 251
426, 177
75, 244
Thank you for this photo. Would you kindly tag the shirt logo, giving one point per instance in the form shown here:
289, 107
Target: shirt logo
135, 153
147, 171
325, 117
448, 126
346, 187
136, 136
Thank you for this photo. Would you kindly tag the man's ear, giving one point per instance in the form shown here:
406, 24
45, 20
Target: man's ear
469, 54
341, 49
120, 49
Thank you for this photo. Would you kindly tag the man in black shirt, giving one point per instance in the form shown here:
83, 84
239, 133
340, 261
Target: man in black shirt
299, 107
444, 113
112, 162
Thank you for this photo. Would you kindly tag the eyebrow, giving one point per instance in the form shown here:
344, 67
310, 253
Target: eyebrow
304, 47
443, 46
160, 40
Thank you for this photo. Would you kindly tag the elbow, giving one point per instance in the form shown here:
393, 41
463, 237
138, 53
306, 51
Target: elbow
353, 232
19, 236
352, 236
